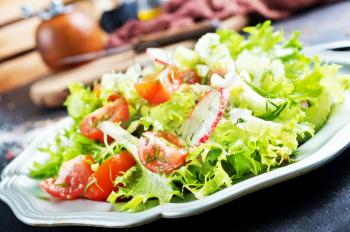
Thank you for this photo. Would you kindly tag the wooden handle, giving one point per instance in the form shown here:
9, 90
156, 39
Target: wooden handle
235, 23
191, 32
175, 35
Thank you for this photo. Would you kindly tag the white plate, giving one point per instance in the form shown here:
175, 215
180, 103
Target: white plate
23, 195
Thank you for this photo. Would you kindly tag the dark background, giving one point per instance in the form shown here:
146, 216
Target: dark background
318, 201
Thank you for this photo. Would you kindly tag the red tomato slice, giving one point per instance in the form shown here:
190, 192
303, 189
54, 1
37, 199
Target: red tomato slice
161, 152
220, 72
116, 111
153, 91
170, 77
72, 179
190, 77
114, 96
101, 183
158, 88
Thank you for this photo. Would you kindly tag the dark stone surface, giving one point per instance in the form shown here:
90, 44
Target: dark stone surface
16, 108
317, 201
324, 24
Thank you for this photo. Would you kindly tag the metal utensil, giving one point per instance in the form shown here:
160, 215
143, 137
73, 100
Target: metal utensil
154, 40
337, 52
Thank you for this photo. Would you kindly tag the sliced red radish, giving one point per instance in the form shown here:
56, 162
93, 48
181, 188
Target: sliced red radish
205, 117
159, 55
216, 80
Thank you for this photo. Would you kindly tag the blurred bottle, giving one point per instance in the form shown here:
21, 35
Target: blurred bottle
130, 10
112, 19
148, 9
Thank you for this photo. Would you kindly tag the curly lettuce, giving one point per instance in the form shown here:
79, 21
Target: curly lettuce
170, 115
81, 101
139, 184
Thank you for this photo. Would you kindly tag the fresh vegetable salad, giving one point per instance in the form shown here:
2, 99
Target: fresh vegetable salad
195, 122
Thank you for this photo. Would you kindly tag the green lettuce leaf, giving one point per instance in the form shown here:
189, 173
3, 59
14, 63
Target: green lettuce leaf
319, 89
265, 74
233, 41
81, 101
255, 65
170, 115
240, 147
319, 110
143, 186
122, 83
244, 96
276, 141
213, 53
67, 145
262, 36
51, 167
334, 82
185, 58
204, 173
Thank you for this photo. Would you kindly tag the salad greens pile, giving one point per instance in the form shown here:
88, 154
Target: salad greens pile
268, 98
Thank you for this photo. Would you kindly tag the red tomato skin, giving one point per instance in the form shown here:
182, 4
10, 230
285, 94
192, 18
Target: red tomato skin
157, 156
172, 74
157, 88
114, 97
72, 179
103, 178
190, 77
153, 91
220, 72
116, 111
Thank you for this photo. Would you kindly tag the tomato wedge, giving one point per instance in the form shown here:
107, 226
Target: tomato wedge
101, 183
157, 88
116, 111
220, 72
190, 77
72, 178
161, 152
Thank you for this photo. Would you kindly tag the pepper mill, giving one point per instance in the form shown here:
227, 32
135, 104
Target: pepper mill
64, 32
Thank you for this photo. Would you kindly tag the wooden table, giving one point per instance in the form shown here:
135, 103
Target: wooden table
318, 201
